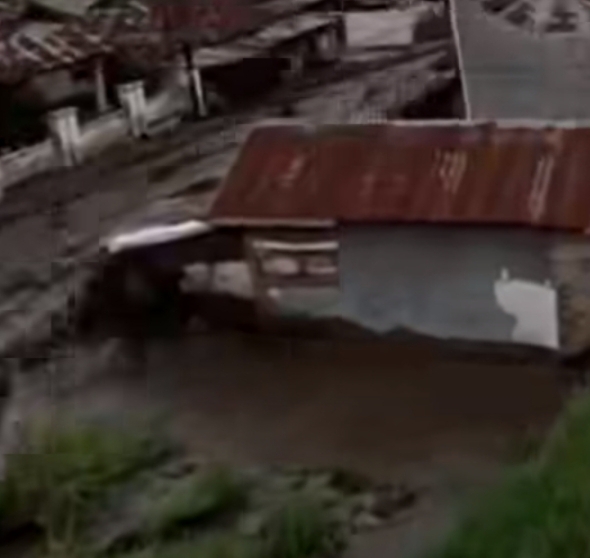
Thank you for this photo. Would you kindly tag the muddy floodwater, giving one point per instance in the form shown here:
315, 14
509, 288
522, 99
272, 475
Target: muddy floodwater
443, 423
373, 406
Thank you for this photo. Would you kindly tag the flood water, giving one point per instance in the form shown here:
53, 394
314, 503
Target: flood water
373, 406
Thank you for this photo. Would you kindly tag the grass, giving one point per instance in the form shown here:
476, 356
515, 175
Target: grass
348, 482
61, 472
542, 510
525, 447
195, 500
219, 545
300, 528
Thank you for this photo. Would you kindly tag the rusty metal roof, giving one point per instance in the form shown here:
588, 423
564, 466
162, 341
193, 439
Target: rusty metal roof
146, 32
447, 173
34, 47
205, 22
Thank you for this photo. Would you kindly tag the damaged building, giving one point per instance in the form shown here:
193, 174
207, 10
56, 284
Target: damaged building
473, 232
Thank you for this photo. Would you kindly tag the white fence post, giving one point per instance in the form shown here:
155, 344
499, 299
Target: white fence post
65, 135
199, 91
132, 97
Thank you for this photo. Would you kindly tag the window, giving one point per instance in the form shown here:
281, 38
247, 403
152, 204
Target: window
292, 262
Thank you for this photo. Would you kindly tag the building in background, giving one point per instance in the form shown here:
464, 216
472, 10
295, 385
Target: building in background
44, 65
312, 58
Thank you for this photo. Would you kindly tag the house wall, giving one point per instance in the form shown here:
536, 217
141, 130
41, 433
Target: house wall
571, 263
481, 284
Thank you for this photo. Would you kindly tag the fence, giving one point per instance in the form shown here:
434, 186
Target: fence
95, 136
24, 163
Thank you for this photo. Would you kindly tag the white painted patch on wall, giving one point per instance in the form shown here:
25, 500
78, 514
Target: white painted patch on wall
534, 306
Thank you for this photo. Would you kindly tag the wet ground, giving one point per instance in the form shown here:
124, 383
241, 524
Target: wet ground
511, 73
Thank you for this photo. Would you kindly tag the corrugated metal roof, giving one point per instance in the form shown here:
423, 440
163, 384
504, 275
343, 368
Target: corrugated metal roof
201, 21
36, 47
451, 173
226, 31
287, 29
256, 43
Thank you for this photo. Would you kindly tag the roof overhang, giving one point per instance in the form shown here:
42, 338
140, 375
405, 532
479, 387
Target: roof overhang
154, 235
274, 223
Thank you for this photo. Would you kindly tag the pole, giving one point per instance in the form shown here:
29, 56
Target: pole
102, 102
187, 51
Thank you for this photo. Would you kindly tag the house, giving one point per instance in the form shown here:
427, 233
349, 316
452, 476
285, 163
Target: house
461, 231
234, 49
238, 48
44, 65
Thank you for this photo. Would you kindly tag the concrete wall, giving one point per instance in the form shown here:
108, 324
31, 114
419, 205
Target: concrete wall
102, 132
469, 283
24, 163
95, 136
571, 264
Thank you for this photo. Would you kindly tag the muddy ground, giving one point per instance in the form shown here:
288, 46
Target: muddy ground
362, 404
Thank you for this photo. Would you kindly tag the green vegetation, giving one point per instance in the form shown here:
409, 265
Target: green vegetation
196, 499
96, 492
59, 473
542, 510
298, 528
301, 527
211, 546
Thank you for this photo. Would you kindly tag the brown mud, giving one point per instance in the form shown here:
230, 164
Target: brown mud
317, 397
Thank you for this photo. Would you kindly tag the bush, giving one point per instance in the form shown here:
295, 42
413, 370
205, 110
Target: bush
543, 509
213, 546
197, 499
60, 472
299, 529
